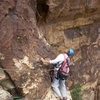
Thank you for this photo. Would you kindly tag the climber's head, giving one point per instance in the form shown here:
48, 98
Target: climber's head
70, 51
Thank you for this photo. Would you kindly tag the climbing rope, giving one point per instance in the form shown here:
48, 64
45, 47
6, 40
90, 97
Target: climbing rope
33, 70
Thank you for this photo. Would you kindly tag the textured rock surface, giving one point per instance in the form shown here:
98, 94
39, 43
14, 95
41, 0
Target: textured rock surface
85, 40
2, 75
4, 95
21, 46
70, 9
76, 25
64, 24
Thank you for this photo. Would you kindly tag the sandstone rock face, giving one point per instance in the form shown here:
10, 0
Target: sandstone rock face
21, 46
85, 40
76, 25
62, 24
70, 9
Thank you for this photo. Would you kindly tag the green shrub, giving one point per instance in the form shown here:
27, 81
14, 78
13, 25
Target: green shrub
76, 93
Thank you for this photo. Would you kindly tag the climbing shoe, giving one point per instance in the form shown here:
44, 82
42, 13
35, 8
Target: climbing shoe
65, 98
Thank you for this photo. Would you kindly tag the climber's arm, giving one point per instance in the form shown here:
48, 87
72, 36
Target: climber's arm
59, 58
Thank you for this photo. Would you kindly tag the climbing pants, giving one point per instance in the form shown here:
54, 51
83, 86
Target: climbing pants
59, 87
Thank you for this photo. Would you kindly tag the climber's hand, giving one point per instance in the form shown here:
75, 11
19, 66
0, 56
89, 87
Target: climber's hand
45, 61
42, 59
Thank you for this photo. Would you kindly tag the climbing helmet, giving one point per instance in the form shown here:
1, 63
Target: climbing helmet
70, 51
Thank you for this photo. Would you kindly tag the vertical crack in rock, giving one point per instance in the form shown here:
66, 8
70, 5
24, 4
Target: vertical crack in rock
42, 10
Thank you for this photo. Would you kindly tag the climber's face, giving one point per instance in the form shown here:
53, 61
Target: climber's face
67, 51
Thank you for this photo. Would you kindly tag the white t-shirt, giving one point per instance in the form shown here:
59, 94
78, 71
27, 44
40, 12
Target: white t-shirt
59, 59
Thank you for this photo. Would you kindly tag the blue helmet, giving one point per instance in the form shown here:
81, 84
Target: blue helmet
71, 51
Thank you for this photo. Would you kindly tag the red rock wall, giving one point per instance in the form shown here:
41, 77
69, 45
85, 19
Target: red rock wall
71, 9
22, 45
63, 24
76, 24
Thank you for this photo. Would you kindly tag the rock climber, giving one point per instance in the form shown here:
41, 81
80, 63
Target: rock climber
59, 93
